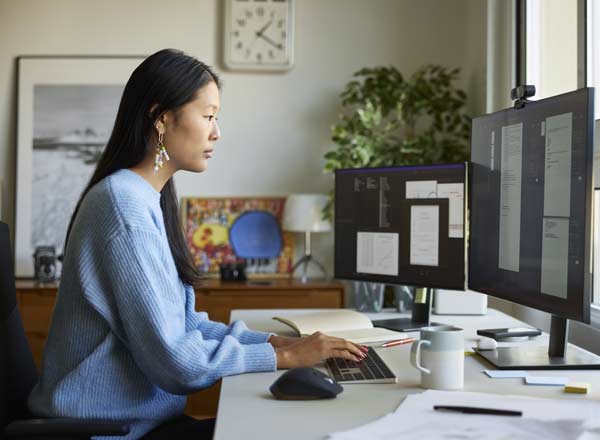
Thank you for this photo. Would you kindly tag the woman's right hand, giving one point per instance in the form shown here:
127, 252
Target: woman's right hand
315, 348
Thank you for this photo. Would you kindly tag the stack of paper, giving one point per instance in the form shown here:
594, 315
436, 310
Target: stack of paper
542, 418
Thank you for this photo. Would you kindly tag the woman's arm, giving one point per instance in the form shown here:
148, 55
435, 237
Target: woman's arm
143, 304
282, 341
218, 330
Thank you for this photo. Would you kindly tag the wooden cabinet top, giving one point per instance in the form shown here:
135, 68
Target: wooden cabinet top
216, 284
31, 284
267, 284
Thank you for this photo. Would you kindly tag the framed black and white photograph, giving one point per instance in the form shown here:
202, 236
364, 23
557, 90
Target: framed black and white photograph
66, 111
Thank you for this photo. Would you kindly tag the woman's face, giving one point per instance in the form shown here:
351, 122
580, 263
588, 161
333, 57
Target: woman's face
191, 132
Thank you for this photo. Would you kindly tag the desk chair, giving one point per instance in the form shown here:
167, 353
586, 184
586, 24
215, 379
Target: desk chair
18, 374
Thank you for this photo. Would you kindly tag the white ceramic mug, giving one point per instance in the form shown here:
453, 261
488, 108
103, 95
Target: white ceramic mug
440, 357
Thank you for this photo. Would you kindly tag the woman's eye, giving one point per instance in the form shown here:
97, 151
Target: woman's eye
210, 118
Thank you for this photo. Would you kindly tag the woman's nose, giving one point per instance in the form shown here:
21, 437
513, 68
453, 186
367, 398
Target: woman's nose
215, 133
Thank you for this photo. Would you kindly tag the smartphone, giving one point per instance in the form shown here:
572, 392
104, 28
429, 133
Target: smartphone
509, 332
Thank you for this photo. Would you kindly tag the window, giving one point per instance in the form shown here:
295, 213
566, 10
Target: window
593, 52
593, 80
552, 64
551, 46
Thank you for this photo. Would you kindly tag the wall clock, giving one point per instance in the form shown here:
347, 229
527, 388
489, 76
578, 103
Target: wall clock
259, 35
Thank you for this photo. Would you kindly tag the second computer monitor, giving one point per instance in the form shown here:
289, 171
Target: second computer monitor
401, 225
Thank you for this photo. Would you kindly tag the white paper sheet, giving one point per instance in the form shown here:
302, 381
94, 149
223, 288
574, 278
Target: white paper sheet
555, 256
440, 426
546, 380
377, 253
455, 192
509, 240
421, 189
424, 235
415, 419
557, 174
505, 374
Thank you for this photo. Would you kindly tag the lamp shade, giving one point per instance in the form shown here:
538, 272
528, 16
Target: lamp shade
304, 213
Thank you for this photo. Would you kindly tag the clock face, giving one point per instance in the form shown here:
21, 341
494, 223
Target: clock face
259, 34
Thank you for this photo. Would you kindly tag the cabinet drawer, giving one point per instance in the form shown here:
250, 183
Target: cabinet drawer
219, 304
36, 311
37, 341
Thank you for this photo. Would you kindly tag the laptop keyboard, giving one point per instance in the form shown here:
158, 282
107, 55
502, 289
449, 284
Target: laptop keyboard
372, 369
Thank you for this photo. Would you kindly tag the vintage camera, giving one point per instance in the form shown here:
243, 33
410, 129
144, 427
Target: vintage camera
45, 263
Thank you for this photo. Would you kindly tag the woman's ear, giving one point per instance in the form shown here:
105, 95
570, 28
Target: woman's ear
159, 125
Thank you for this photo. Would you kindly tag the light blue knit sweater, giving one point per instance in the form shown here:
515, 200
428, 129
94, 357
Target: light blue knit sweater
126, 342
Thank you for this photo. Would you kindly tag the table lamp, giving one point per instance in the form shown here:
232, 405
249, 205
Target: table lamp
304, 213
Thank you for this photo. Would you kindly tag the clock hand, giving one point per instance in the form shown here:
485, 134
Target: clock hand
263, 29
271, 42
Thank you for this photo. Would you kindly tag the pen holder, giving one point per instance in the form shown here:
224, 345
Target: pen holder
368, 297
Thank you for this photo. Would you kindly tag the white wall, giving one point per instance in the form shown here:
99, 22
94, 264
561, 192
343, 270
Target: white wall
275, 127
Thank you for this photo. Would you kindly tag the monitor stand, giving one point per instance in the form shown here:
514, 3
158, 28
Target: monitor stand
421, 313
556, 357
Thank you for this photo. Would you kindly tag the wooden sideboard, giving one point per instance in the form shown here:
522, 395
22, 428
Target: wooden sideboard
36, 302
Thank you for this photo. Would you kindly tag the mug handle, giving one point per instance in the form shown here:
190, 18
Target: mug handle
415, 355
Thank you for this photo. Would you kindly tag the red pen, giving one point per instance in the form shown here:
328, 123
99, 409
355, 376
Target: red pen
398, 342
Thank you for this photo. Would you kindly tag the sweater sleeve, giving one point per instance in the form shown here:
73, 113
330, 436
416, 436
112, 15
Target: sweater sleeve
217, 330
151, 320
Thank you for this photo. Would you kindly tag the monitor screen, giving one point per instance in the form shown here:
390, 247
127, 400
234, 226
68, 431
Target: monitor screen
531, 204
401, 225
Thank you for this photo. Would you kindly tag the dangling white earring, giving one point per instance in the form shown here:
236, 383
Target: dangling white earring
161, 152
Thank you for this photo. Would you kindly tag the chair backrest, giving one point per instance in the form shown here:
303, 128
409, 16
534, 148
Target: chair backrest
18, 374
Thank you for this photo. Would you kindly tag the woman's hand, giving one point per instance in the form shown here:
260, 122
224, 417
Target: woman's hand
315, 348
282, 341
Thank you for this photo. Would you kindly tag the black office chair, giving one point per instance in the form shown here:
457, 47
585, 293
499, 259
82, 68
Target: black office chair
18, 374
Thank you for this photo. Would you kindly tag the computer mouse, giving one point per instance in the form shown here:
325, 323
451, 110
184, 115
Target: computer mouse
487, 344
305, 384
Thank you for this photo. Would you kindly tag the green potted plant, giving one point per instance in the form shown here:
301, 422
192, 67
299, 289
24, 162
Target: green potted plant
389, 120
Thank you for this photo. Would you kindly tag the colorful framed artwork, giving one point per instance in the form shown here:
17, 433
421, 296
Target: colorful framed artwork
66, 109
207, 222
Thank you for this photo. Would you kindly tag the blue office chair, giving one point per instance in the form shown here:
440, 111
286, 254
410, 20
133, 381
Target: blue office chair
18, 374
256, 234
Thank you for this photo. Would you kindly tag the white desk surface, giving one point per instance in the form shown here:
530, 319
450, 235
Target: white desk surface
248, 410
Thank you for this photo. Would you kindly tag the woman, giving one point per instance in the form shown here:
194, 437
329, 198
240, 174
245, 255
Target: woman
125, 341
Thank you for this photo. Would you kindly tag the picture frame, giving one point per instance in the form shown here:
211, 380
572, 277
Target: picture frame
206, 224
66, 106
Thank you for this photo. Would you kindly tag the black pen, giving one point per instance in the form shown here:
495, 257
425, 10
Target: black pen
475, 410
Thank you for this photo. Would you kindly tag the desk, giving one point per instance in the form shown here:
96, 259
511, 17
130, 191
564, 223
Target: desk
248, 410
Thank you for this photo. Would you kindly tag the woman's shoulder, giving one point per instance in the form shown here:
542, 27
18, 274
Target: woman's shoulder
129, 197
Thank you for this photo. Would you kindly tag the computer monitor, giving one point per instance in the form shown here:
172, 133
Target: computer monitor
531, 219
402, 225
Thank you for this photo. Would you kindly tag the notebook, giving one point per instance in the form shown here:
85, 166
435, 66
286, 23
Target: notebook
342, 323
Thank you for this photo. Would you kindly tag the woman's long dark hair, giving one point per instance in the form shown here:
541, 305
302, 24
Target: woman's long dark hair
164, 81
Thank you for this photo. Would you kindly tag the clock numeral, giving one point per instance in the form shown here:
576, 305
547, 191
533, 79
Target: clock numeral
241, 22
248, 13
271, 54
236, 34
248, 53
272, 14
239, 45
280, 23
259, 57
260, 11
283, 34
